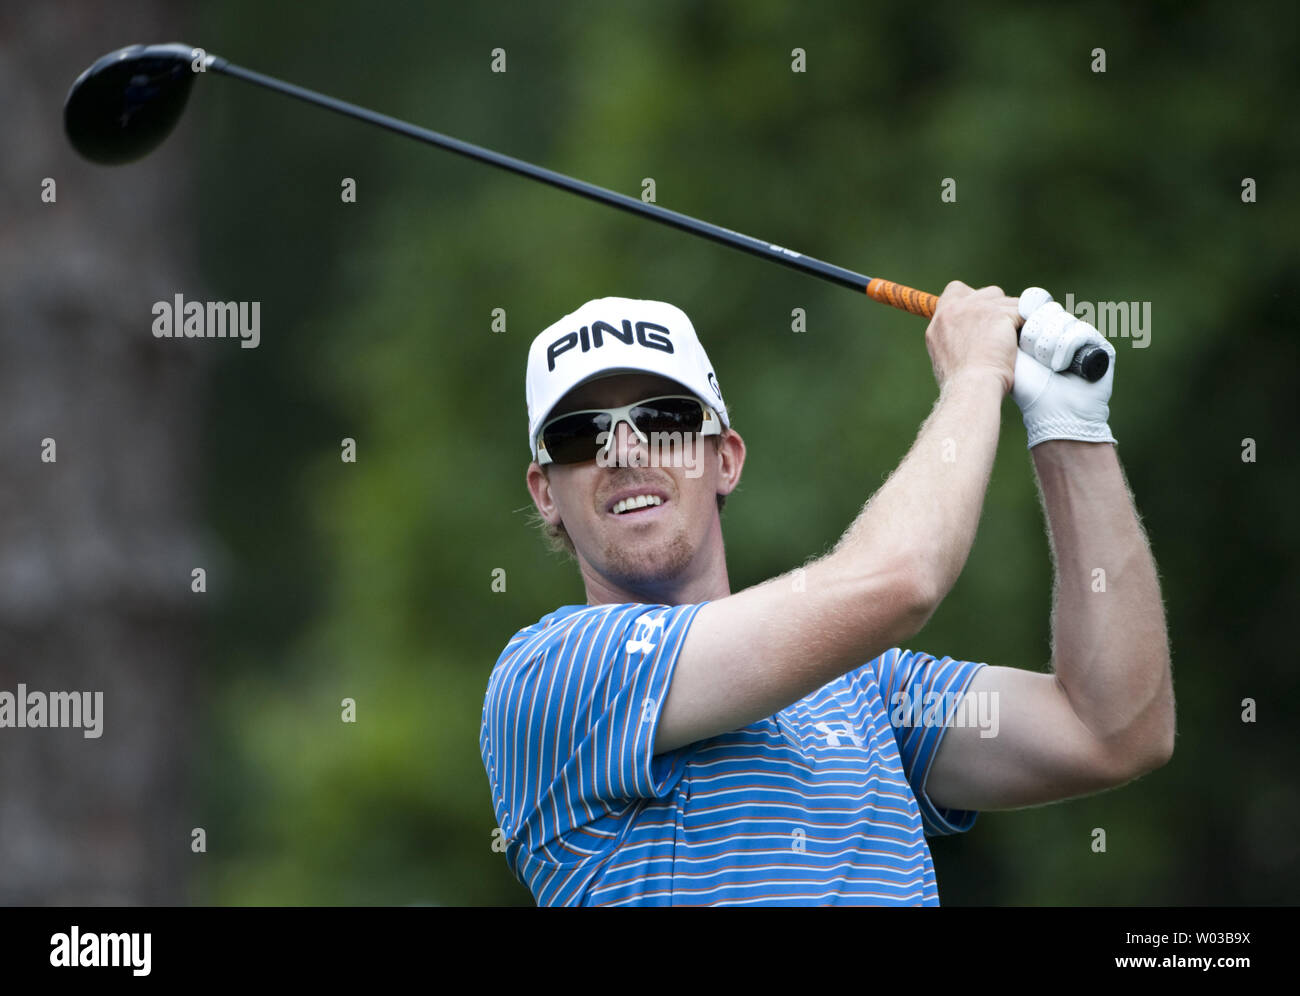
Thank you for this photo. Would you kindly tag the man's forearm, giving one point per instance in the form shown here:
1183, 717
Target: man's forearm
927, 512
1110, 648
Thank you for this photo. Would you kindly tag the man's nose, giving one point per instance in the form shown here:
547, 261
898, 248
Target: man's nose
626, 441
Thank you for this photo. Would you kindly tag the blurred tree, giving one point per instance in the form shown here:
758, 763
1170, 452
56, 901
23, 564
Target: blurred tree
96, 548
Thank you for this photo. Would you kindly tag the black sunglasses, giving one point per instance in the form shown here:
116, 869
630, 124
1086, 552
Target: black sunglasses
576, 437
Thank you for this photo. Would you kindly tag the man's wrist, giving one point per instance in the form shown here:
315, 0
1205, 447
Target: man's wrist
1073, 452
976, 379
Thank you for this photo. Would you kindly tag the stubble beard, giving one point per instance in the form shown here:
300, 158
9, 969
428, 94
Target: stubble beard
649, 563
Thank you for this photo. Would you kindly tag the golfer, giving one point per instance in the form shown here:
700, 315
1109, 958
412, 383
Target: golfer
674, 743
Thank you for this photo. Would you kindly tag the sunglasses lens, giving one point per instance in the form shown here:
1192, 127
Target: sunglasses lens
573, 438
668, 415
577, 437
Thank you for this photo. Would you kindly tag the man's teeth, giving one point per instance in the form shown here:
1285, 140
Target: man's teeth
640, 501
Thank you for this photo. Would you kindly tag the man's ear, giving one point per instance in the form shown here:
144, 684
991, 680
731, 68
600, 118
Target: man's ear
731, 460
539, 486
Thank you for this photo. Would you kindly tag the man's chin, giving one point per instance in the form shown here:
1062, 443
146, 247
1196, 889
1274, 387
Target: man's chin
647, 563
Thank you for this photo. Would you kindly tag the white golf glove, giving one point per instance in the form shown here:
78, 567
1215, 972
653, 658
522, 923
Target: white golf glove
1058, 405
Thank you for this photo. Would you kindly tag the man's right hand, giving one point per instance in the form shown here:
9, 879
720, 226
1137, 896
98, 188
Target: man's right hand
974, 330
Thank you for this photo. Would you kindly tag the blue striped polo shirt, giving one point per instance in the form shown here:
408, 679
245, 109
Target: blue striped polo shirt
822, 803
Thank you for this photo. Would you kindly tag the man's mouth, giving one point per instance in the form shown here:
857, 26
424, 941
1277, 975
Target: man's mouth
630, 506
636, 502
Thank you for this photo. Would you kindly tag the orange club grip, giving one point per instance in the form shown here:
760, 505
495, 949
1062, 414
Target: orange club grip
904, 298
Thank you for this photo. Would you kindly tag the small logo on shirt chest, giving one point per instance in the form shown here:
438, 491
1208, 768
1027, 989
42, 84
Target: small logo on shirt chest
834, 736
645, 636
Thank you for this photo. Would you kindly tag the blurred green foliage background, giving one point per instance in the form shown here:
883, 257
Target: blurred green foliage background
373, 580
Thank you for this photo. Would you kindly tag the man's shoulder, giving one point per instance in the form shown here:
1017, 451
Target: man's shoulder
869, 672
555, 623
872, 678
550, 631
553, 618
608, 633
563, 621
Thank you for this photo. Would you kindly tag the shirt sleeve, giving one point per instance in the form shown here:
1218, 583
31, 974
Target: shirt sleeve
921, 695
569, 725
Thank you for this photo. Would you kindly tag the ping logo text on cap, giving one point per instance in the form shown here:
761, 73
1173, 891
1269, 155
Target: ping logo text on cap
643, 334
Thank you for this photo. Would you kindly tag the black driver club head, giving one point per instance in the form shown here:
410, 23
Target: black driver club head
124, 105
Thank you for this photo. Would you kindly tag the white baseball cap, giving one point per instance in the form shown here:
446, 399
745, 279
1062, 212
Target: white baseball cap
612, 335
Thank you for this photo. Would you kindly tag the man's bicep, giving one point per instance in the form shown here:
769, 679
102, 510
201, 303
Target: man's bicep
1029, 747
709, 692
753, 653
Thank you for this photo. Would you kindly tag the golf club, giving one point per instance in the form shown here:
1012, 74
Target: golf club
127, 102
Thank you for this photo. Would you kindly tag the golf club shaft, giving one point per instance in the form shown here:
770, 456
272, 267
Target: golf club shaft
885, 291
